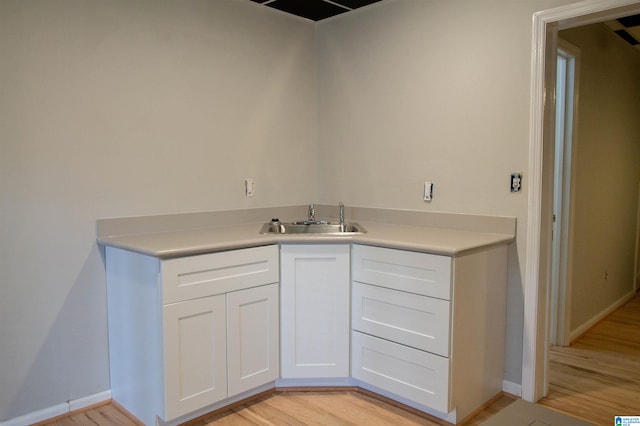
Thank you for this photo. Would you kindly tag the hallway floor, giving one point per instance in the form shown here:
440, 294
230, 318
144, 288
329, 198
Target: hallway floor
597, 377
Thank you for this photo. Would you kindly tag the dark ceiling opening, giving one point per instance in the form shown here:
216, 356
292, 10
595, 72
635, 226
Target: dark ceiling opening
316, 10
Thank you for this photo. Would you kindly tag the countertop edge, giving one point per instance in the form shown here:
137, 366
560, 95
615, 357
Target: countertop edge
477, 241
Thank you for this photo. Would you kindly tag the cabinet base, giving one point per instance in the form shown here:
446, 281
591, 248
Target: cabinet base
281, 386
222, 406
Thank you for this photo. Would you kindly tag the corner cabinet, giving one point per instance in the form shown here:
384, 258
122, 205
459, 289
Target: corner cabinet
190, 332
429, 330
315, 311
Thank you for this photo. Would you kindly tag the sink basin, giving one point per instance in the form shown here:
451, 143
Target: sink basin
305, 227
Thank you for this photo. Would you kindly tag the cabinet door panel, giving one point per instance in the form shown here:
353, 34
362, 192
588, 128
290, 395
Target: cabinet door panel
253, 337
419, 273
195, 354
419, 376
315, 311
410, 319
216, 273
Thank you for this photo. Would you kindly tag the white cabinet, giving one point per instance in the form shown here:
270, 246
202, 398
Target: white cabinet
253, 338
189, 332
315, 311
428, 328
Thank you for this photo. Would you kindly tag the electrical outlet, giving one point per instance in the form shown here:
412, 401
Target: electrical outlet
249, 187
516, 182
427, 193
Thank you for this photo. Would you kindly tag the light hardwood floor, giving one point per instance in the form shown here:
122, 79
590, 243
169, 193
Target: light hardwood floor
298, 408
595, 378
598, 376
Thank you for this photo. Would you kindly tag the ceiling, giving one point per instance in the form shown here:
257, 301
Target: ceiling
315, 10
628, 29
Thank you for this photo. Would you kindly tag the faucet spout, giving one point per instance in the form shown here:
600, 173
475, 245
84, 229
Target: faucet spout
341, 212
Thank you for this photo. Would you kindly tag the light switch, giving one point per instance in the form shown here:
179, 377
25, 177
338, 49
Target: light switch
249, 187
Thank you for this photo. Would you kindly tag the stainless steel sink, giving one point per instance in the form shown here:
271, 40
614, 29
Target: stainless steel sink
307, 227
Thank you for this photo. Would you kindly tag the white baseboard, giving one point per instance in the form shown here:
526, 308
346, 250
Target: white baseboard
512, 388
579, 331
96, 398
57, 410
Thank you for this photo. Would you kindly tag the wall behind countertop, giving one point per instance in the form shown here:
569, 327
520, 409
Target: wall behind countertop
427, 90
121, 108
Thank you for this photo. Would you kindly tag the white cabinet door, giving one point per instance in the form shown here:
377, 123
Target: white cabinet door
315, 311
195, 354
253, 337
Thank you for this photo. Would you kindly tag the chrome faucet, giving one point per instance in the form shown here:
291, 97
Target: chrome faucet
341, 213
312, 213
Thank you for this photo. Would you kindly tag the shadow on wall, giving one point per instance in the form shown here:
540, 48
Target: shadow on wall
515, 318
56, 375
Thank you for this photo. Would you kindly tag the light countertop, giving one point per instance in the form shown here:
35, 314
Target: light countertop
450, 242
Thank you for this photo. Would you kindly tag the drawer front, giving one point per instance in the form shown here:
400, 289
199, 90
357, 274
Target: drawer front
216, 273
417, 321
419, 273
416, 375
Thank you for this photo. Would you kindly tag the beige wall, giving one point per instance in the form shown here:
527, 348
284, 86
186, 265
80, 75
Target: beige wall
607, 162
125, 108
417, 90
121, 108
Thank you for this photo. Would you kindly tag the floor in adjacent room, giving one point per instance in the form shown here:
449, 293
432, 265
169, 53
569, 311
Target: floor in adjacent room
598, 376
595, 379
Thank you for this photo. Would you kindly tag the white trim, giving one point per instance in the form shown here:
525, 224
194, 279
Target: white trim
511, 388
579, 331
636, 261
96, 398
560, 297
58, 410
571, 15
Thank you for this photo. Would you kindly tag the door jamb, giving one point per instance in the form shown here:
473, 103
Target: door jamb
546, 25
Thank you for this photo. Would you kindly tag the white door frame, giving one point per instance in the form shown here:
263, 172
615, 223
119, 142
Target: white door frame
546, 25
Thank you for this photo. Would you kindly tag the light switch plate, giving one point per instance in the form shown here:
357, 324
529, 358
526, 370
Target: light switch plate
427, 194
249, 187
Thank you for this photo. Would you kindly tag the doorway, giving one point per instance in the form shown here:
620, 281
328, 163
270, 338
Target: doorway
546, 25
568, 60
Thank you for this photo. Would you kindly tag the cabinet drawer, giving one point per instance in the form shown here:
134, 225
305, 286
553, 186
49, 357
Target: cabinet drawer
216, 273
419, 273
416, 375
413, 320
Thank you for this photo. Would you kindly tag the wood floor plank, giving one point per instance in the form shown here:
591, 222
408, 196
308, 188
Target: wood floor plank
350, 409
308, 414
379, 407
267, 415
